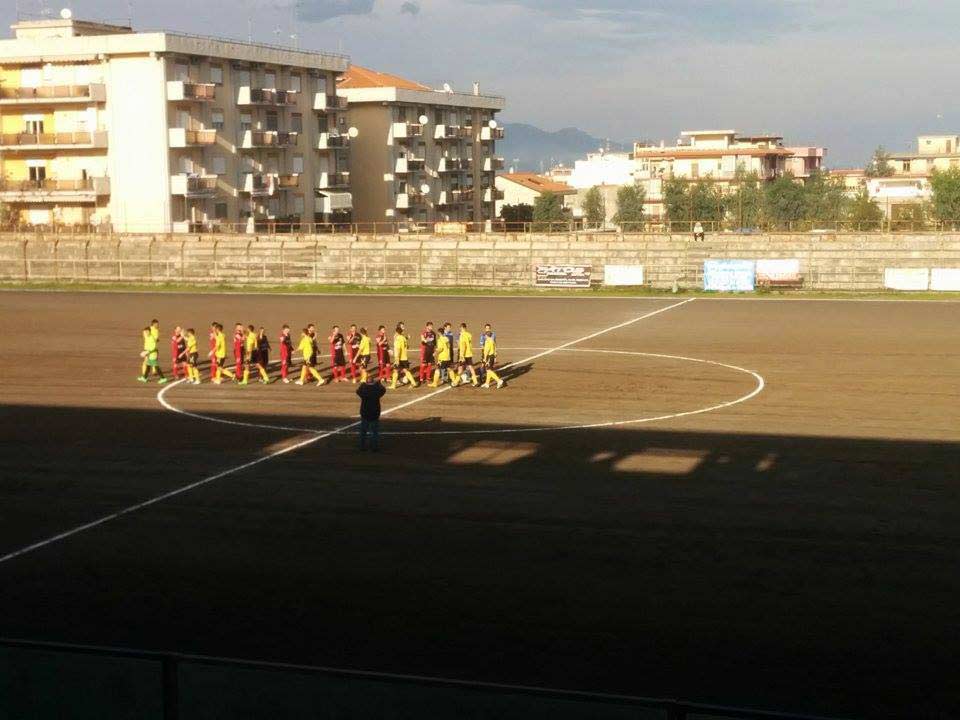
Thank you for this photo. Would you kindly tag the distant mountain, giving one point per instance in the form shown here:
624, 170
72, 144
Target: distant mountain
528, 148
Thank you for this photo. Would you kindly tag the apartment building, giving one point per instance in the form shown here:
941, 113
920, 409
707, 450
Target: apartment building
934, 152
421, 155
717, 155
524, 188
166, 132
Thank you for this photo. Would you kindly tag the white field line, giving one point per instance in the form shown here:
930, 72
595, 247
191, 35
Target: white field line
295, 446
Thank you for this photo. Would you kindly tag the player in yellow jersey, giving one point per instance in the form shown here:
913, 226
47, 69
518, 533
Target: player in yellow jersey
362, 358
150, 356
465, 352
442, 356
193, 373
401, 361
490, 360
219, 355
307, 349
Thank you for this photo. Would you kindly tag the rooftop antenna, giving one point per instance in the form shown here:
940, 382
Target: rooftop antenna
130, 13
249, 29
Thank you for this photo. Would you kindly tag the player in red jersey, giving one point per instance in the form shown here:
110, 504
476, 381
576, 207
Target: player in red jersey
286, 353
239, 335
213, 346
428, 351
383, 354
338, 355
353, 352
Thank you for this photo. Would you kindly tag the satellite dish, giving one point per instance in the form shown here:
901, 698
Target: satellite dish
447, 88
492, 124
66, 13
425, 188
353, 132
423, 119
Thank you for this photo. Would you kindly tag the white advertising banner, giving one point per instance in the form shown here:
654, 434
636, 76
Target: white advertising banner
945, 279
906, 278
772, 272
623, 274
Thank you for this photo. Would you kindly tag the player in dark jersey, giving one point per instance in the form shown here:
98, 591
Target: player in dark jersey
353, 351
383, 355
178, 353
286, 353
338, 354
428, 348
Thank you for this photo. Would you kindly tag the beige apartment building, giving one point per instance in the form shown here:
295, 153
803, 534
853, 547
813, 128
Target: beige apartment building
717, 155
421, 155
165, 132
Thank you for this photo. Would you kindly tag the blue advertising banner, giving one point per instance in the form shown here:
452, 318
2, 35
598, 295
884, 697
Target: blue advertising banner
729, 275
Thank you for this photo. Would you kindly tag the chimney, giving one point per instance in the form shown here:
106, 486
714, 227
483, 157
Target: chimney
476, 88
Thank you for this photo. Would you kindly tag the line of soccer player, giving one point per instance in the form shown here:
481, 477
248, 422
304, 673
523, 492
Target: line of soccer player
441, 361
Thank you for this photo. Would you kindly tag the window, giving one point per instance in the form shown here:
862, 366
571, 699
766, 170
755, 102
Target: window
216, 74
246, 121
295, 83
695, 170
296, 122
219, 165
269, 79
37, 170
181, 72
33, 124
297, 204
402, 113
906, 166
322, 125
297, 164
216, 119
272, 123
220, 211
438, 117
243, 77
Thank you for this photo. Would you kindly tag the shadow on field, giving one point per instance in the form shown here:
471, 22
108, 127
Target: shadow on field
801, 573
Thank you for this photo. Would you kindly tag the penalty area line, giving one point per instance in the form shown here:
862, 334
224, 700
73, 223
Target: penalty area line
297, 445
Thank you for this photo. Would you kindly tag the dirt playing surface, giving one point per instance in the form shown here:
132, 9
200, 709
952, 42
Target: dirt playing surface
797, 549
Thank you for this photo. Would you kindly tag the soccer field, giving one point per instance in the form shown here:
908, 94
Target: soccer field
748, 502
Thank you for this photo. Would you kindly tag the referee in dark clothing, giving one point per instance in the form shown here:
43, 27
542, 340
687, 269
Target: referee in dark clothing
370, 393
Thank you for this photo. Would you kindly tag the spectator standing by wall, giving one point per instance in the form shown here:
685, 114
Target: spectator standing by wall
370, 393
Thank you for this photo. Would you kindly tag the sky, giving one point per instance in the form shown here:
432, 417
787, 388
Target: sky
848, 75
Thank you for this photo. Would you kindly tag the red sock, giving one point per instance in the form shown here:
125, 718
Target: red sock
353, 372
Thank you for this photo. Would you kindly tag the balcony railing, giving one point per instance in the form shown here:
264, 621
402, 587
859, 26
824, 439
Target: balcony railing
333, 141
489, 133
269, 138
290, 180
51, 94
409, 164
333, 202
193, 185
404, 130
334, 180
247, 95
40, 141
492, 164
492, 195
259, 184
447, 132
455, 164
181, 137
325, 101
184, 90
464, 194
40, 189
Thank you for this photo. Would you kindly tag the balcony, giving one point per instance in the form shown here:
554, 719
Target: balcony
333, 141
178, 90
326, 102
492, 164
447, 132
332, 180
53, 141
463, 194
288, 181
259, 184
332, 202
448, 197
492, 195
247, 95
53, 94
406, 165
455, 165
268, 139
181, 137
193, 185
411, 197
488, 133
54, 190
404, 130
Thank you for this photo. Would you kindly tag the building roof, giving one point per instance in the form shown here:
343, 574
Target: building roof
538, 183
665, 153
361, 77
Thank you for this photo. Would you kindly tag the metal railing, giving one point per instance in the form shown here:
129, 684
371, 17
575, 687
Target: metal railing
59, 138
406, 694
47, 185
46, 92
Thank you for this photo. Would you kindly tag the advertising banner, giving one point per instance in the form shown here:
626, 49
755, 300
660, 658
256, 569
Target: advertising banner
728, 275
570, 276
906, 278
778, 272
945, 279
623, 274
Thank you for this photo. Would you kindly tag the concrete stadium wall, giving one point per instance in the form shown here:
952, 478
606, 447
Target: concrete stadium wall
854, 262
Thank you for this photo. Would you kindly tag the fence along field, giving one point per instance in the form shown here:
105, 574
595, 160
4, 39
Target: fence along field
842, 262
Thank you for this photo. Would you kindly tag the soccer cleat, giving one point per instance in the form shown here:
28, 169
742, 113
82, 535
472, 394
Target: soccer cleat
286, 381
242, 382
162, 381
299, 382
217, 382
499, 384
142, 379
486, 386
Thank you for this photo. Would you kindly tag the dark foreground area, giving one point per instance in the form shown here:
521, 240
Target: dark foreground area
795, 551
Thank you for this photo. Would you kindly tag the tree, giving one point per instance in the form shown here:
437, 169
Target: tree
691, 201
746, 204
519, 213
594, 208
880, 165
784, 201
946, 196
548, 208
863, 213
7, 216
676, 201
630, 200
824, 199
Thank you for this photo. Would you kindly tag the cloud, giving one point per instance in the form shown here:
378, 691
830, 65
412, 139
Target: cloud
409, 8
319, 11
